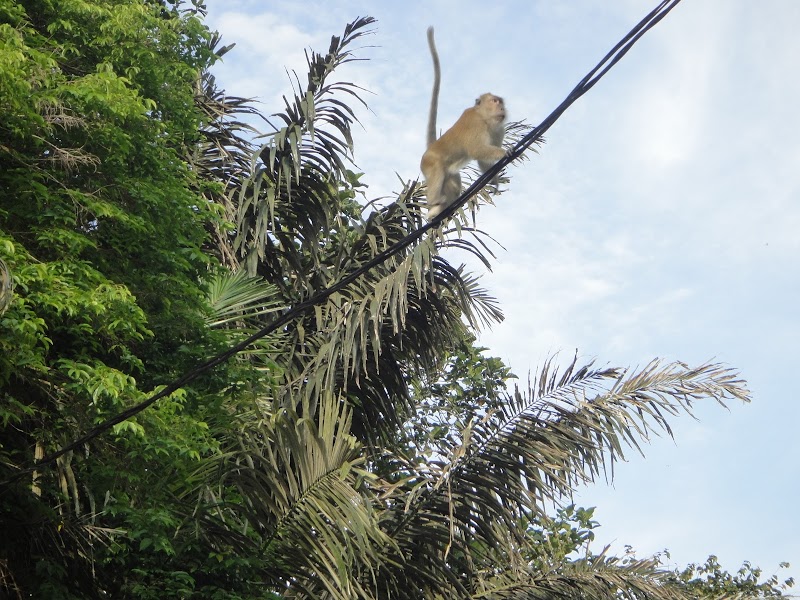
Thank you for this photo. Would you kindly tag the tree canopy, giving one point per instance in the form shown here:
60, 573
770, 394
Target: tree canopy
368, 449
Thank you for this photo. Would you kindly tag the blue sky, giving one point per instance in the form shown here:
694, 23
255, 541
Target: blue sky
660, 219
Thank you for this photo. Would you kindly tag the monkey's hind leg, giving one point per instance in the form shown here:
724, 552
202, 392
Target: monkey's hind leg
448, 191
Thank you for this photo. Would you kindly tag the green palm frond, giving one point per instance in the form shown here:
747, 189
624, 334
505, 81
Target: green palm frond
302, 487
595, 578
290, 202
569, 430
236, 297
222, 156
238, 305
408, 311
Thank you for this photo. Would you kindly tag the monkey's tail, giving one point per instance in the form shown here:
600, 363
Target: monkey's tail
437, 76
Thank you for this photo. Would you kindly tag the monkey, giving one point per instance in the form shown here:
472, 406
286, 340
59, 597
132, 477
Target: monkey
476, 135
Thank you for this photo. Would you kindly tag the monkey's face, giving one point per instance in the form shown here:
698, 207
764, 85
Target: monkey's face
492, 107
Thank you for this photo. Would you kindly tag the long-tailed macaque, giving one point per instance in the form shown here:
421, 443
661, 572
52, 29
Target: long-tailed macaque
477, 135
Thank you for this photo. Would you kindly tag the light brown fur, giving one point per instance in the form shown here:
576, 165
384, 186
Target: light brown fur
477, 135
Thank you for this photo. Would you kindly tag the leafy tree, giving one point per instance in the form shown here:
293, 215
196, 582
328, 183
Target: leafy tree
367, 449
710, 580
105, 233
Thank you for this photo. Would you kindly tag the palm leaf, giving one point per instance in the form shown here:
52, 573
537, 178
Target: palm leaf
289, 203
234, 297
405, 315
222, 156
301, 486
596, 578
547, 441
238, 304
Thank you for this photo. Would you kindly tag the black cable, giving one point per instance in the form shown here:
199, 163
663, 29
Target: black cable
530, 138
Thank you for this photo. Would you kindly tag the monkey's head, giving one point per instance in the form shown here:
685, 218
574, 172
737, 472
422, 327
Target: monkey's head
491, 107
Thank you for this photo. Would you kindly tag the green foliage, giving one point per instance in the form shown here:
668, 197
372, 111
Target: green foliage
710, 580
104, 233
553, 540
471, 384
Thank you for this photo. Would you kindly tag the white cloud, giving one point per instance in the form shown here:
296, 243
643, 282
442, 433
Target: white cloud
268, 50
670, 104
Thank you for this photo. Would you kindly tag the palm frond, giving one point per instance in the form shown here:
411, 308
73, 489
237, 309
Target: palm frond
290, 202
238, 297
408, 311
560, 434
238, 305
599, 577
222, 156
301, 486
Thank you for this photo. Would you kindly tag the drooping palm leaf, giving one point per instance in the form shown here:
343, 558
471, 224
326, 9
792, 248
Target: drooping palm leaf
302, 486
596, 578
222, 156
